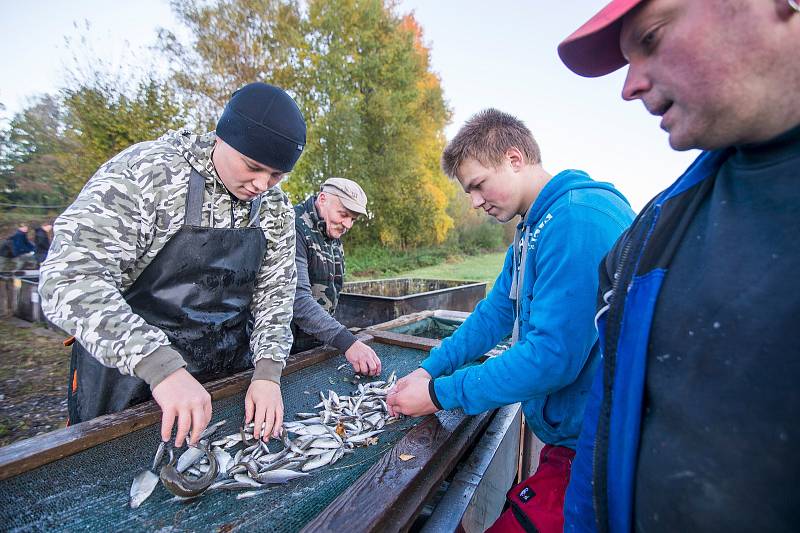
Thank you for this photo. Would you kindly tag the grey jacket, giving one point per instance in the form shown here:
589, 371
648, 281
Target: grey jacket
320, 276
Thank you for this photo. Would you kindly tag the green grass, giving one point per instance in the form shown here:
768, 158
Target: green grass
483, 267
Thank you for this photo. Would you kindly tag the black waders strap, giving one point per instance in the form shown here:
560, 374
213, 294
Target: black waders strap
194, 200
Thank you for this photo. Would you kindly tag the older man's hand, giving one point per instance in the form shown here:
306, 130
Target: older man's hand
364, 359
411, 397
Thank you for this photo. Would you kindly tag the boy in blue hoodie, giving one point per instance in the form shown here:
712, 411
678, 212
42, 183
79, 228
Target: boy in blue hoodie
544, 298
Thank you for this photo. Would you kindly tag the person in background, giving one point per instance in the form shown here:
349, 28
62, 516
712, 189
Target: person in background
320, 221
20, 244
41, 241
543, 298
692, 424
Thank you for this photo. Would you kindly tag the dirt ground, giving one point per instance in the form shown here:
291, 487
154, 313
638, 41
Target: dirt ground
33, 380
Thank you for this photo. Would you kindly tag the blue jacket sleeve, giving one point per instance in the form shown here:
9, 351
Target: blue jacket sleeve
560, 331
491, 321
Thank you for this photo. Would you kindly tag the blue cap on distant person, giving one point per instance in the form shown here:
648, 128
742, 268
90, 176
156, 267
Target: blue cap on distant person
263, 123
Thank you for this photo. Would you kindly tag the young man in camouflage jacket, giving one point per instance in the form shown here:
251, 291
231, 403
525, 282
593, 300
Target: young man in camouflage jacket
175, 265
320, 221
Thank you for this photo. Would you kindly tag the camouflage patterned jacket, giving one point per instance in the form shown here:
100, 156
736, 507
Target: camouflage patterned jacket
122, 218
320, 276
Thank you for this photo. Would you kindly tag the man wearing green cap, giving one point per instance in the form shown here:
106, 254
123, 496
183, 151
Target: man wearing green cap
175, 266
321, 220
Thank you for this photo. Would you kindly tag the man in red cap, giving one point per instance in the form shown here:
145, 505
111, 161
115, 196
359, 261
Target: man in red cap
692, 424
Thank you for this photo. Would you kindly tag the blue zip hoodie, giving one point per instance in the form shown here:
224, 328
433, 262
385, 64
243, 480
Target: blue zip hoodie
569, 228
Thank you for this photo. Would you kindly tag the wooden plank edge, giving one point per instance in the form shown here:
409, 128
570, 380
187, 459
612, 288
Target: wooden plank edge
450, 511
403, 485
37, 451
406, 341
402, 320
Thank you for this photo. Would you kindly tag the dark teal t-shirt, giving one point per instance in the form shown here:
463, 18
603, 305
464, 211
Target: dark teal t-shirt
721, 425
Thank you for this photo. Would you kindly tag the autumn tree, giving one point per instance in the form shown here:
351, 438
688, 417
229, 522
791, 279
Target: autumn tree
103, 120
361, 75
376, 115
55, 145
233, 42
34, 154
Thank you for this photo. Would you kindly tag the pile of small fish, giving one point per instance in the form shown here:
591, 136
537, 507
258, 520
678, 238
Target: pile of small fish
320, 438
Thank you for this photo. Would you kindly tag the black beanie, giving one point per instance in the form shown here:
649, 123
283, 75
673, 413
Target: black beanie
264, 123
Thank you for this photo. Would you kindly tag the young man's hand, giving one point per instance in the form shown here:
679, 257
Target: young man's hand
263, 405
180, 395
363, 358
410, 397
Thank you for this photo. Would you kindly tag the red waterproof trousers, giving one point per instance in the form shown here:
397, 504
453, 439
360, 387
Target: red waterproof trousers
537, 504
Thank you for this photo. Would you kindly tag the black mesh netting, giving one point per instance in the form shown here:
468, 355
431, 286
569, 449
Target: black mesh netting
89, 490
438, 328
430, 328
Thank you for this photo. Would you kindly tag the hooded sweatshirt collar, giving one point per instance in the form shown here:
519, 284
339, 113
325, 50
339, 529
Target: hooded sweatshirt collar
561, 183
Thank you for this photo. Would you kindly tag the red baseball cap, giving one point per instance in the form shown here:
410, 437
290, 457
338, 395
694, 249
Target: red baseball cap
593, 49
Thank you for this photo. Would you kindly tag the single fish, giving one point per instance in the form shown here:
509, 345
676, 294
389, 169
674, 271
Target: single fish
188, 458
224, 460
316, 451
362, 437
337, 455
234, 485
326, 442
319, 429
241, 478
284, 464
279, 476
319, 461
143, 485
159, 455
211, 429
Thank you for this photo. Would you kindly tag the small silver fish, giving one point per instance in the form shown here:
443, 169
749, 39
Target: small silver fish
315, 451
224, 460
250, 494
279, 476
363, 437
325, 442
159, 455
241, 478
319, 461
337, 455
189, 458
211, 429
142, 487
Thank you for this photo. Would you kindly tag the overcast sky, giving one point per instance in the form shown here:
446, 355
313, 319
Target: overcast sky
488, 54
